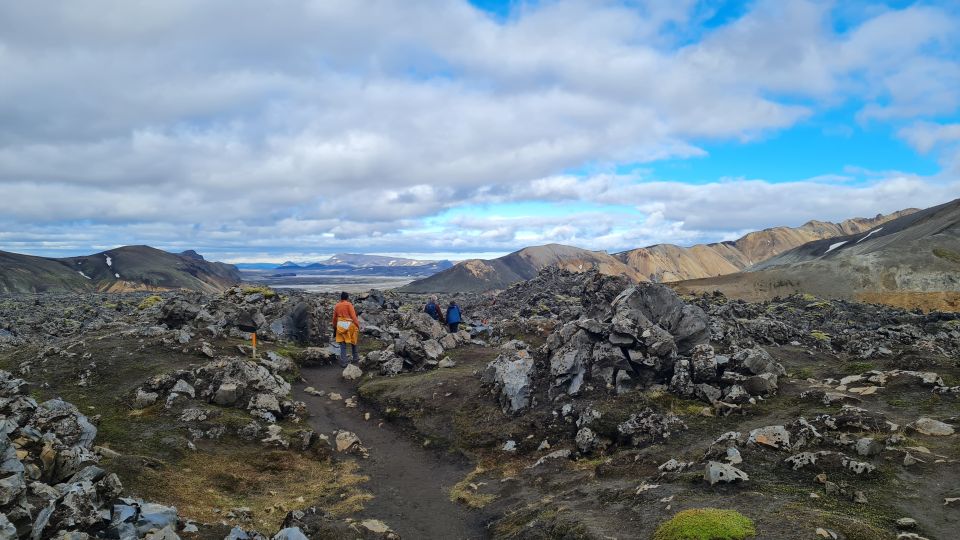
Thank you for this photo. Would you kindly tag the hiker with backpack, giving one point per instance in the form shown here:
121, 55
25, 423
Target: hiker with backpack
454, 317
433, 309
346, 327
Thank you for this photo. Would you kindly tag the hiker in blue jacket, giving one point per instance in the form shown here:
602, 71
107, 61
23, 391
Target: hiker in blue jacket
454, 317
433, 309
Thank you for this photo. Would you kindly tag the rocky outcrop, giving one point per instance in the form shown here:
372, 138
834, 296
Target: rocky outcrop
49, 478
258, 387
649, 336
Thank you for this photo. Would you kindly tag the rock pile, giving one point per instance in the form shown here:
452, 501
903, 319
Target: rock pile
258, 387
296, 316
645, 336
420, 344
51, 484
879, 331
637, 341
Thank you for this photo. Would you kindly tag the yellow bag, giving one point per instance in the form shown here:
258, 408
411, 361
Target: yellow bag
347, 332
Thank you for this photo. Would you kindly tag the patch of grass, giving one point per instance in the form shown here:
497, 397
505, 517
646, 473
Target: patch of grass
822, 304
856, 368
947, 255
950, 379
802, 373
822, 337
267, 292
666, 401
706, 524
853, 529
929, 405
807, 297
466, 491
542, 524
270, 483
149, 302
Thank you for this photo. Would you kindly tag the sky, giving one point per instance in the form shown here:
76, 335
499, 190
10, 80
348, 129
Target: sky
295, 129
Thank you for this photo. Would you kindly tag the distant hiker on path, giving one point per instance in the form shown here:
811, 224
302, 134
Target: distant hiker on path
433, 309
346, 327
454, 316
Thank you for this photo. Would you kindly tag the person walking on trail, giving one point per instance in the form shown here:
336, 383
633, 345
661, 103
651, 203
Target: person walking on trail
454, 317
346, 328
433, 309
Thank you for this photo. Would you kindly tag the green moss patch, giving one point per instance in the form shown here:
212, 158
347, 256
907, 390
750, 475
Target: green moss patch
706, 524
149, 302
947, 255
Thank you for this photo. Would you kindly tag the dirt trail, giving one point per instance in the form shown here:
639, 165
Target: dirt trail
410, 484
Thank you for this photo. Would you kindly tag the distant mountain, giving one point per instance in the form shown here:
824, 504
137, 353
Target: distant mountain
478, 275
355, 263
123, 269
911, 261
667, 262
191, 254
359, 260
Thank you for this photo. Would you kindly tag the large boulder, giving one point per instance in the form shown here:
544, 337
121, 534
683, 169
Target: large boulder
511, 373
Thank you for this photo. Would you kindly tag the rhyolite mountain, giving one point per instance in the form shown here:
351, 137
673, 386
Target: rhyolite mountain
668, 262
911, 261
658, 263
128, 268
476, 275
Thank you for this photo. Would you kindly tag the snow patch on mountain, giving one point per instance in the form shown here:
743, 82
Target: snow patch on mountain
869, 234
834, 246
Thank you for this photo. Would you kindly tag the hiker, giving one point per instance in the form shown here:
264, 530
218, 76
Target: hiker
346, 327
433, 309
454, 317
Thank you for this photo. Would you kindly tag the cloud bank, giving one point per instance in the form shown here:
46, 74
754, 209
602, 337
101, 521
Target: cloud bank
251, 130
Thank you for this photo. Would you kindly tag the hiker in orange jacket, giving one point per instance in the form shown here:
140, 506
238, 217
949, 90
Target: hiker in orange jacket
346, 327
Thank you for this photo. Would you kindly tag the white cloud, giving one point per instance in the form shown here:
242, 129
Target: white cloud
335, 123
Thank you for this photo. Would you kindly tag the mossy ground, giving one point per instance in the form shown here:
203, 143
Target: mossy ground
207, 483
706, 524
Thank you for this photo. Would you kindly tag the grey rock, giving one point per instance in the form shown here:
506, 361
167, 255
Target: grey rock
511, 373
759, 361
586, 440
10, 488
649, 425
290, 533
145, 399
772, 436
929, 426
7, 530
183, 387
446, 363
715, 472
352, 372
761, 385
265, 402
867, 446
227, 394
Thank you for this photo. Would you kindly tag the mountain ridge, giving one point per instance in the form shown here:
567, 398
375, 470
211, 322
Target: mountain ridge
478, 275
127, 268
658, 263
912, 261
669, 262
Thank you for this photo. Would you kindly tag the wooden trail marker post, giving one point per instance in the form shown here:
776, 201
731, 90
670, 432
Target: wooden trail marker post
252, 330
